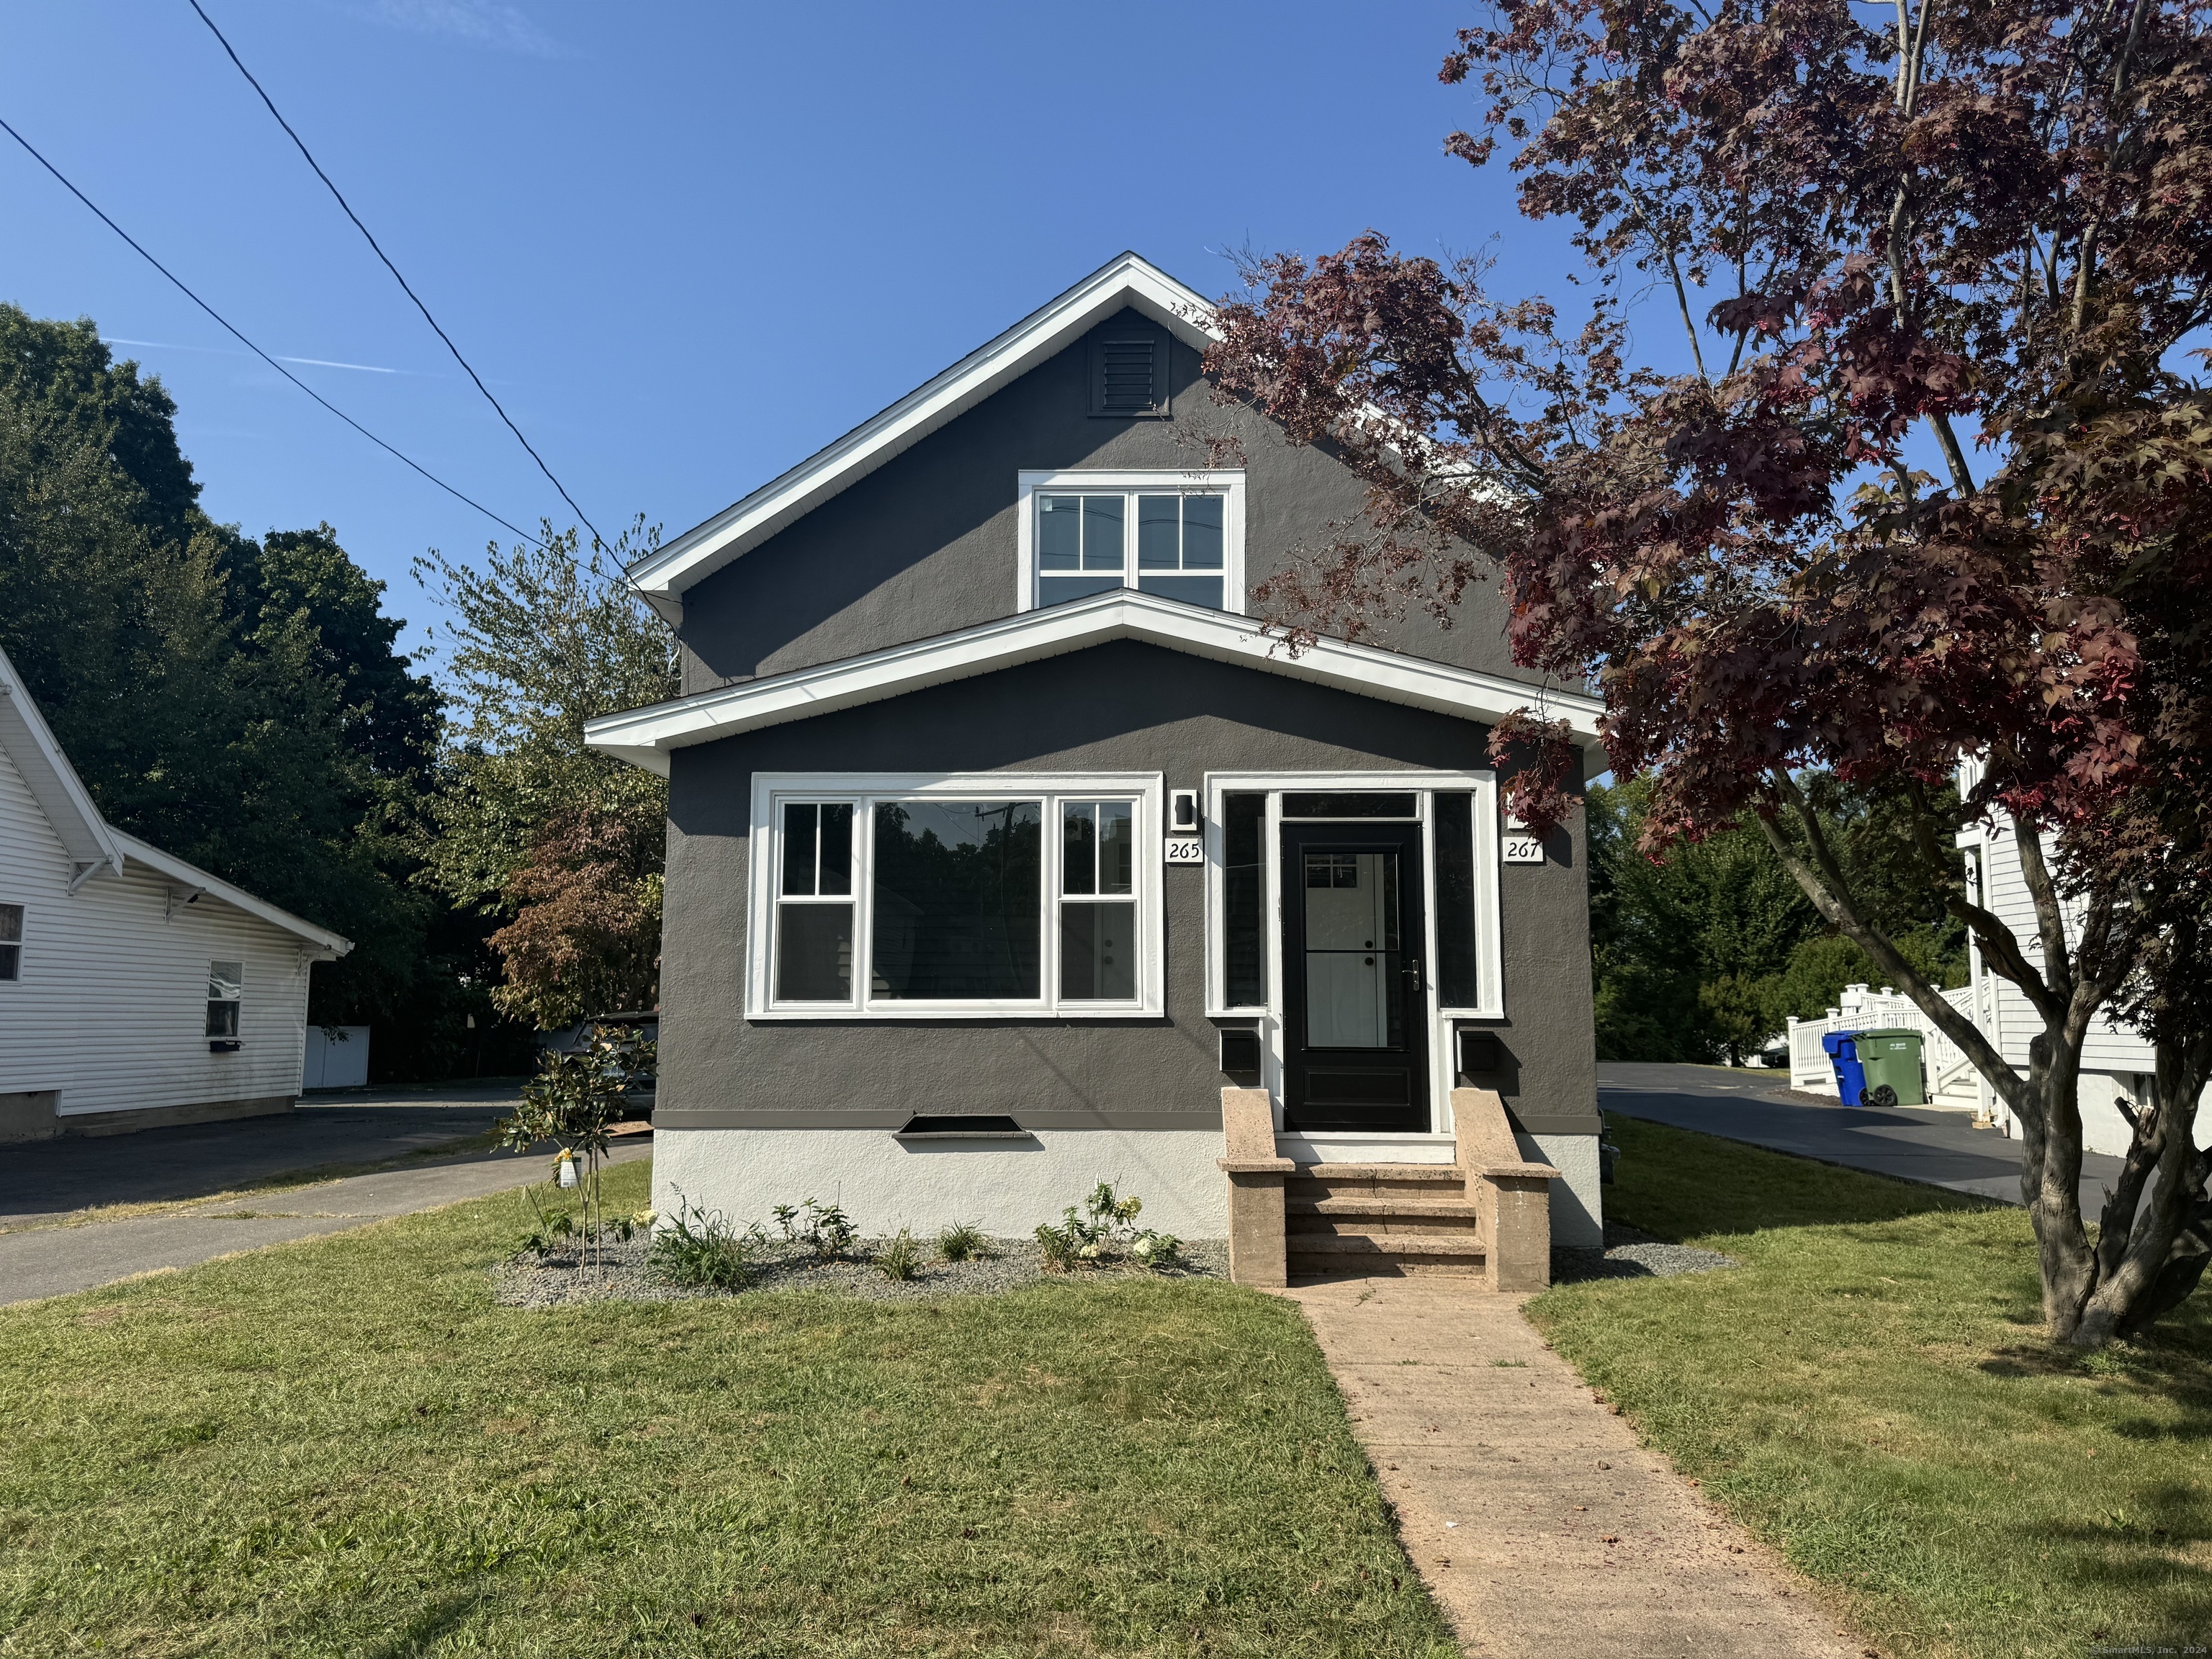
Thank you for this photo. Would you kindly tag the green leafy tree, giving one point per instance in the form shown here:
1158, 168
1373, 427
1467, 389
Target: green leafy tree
1707, 953
240, 703
529, 826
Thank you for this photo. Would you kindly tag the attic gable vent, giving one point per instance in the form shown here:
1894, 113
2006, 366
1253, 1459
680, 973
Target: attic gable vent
1129, 375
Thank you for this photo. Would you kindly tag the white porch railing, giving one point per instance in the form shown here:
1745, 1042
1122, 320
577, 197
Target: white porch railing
1865, 1010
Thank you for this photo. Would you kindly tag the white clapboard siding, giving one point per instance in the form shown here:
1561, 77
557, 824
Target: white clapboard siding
110, 1007
2107, 1047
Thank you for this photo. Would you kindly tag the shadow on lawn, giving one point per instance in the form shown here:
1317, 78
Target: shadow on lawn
2148, 1553
1676, 1184
439, 1617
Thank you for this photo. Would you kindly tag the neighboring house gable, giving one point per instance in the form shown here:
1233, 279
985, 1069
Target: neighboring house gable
140, 990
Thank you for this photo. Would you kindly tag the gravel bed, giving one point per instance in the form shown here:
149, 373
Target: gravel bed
1629, 1254
524, 1280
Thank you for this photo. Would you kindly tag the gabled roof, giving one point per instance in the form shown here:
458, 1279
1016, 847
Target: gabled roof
645, 737
53, 782
95, 846
1126, 280
191, 876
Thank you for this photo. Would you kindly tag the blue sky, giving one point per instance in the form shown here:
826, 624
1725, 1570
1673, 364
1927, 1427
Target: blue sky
686, 244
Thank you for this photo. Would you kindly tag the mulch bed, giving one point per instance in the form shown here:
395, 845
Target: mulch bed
618, 1274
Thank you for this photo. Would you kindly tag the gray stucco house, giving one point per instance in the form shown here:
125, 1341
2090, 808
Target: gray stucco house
1006, 853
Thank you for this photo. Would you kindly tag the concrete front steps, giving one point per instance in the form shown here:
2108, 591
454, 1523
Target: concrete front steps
1382, 1220
1488, 1217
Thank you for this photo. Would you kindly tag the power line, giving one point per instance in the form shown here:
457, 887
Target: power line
254, 348
309, 155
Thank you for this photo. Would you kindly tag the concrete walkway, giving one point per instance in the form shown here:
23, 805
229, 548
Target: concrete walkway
1540, 1525
55, 1261
1917, 1144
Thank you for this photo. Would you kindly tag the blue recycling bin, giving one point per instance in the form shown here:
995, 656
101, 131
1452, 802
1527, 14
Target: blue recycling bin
1843, 1052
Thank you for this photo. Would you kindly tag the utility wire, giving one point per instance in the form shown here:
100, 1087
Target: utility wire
309, 155
256, 350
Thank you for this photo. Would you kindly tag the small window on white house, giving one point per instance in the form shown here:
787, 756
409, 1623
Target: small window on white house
226, 991
11, 943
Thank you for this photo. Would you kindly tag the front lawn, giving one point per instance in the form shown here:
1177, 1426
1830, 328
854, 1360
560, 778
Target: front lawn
1870, 1392
343, 1447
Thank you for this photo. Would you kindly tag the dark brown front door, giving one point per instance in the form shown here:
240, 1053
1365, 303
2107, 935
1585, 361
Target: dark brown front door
1355, 1043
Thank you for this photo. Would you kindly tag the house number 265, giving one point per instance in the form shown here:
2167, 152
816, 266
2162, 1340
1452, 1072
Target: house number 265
1186, 849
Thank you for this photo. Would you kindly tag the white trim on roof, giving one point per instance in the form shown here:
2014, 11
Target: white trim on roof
645, 737
94, 845
191, 876
53, 782
1127, 280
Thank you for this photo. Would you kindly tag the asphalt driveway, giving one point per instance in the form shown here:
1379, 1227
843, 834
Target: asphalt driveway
49, 1179
49, 1246
1942, 1148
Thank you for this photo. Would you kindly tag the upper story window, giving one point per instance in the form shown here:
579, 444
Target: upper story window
1180, 535
11, 943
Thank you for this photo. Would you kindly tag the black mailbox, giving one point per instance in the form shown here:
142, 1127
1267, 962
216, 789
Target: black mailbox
1240, 1053
1480, 1054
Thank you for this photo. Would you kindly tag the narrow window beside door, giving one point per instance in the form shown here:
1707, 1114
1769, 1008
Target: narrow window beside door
1244, 889
1458, 985
226, 992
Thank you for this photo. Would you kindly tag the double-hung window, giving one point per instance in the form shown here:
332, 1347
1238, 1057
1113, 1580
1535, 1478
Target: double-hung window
11, 943
225, 994
919, 897
1179, 535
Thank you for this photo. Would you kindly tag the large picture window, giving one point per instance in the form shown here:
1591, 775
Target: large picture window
1179, 535
907, 897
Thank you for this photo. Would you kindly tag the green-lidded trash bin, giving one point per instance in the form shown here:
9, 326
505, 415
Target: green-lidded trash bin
1890, 1060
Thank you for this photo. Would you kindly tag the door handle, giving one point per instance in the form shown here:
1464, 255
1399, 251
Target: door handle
1413, 966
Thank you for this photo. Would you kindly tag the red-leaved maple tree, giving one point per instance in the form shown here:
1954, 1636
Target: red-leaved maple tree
1930, 483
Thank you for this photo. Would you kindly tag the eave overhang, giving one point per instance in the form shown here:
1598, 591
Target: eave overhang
647, 736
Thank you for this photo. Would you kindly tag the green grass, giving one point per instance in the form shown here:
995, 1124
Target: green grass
1871, 1393
343, 1447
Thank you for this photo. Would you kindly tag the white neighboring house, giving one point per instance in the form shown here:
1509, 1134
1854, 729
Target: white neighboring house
135, 990
2116, 1064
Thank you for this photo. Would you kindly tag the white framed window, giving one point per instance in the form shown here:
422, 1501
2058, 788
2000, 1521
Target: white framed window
11, 944
920, 897
1179, 535
226, 996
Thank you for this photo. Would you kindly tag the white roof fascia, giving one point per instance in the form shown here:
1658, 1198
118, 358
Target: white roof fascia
53, 782
328, 944
644, 737
1127, 280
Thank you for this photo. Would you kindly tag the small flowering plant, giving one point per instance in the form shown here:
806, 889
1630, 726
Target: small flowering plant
1103, 1227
